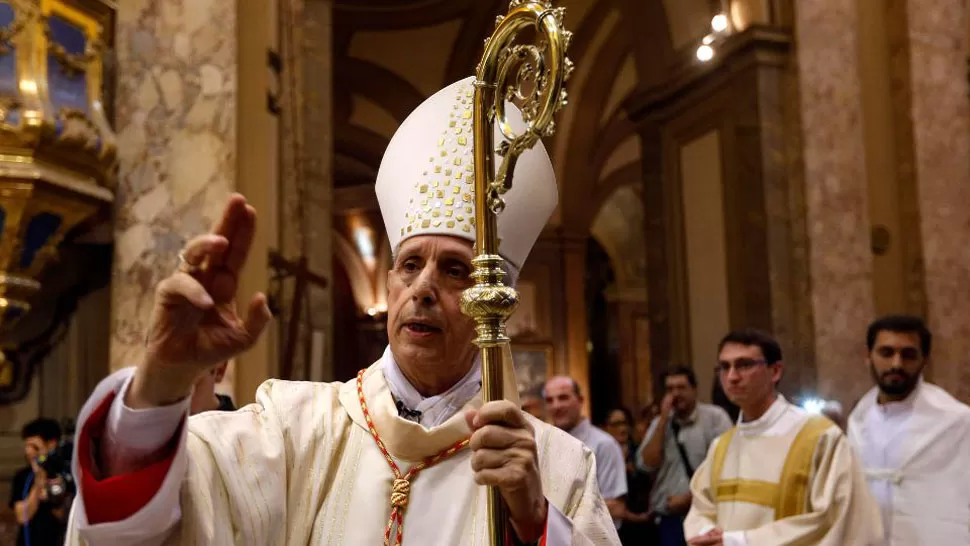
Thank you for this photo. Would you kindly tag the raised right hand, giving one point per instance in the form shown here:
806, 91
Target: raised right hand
194, 324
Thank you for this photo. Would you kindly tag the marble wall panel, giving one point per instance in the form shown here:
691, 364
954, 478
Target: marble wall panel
840, 263
176, 120
938, 42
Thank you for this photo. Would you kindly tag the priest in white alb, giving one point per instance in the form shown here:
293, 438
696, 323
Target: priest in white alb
781, 477
398, 456
913, 439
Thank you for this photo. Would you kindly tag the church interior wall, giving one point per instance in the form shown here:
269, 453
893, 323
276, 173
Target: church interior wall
705, 254
801, 182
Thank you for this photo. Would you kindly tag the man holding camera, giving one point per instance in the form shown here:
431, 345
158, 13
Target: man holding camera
40, 497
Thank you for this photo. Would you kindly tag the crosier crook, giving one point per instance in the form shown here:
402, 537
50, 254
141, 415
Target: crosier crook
532, 75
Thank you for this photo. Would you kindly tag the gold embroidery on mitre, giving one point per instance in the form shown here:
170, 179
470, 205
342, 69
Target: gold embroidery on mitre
454, 158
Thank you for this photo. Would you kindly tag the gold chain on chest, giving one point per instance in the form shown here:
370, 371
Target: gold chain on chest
401, 487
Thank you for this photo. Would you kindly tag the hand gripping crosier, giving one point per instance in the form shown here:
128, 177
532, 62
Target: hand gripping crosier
532, 76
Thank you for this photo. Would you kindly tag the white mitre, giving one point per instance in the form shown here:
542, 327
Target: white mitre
425, 184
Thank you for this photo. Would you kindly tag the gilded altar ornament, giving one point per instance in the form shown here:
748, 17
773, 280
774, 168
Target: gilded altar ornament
57, 150
532, 76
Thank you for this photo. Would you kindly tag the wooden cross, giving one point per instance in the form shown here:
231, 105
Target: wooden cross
303, 275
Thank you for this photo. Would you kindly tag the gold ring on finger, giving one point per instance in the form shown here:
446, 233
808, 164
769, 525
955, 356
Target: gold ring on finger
186, 267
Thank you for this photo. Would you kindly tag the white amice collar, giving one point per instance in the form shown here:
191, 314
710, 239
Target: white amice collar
760, 425
434, 410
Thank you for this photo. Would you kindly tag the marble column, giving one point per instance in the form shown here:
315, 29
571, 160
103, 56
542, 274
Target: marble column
835, 184
574, 297
306, 191
176, 121
940, 98
318, 175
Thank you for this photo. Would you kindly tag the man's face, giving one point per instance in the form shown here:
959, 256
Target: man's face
683, 394
619, 426
896, 362
425, 325
745, 376
35, 446
563, 404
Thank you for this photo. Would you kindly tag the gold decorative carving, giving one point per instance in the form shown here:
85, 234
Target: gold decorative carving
73, 64
57, 150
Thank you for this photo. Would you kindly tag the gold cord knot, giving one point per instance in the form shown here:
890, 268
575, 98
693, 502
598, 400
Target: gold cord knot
399, 493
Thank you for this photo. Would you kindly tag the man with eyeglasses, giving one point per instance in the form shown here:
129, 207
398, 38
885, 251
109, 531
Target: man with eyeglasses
781, 476
674, 446
913, 439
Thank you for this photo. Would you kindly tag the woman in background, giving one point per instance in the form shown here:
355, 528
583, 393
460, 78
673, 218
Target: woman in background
635, 529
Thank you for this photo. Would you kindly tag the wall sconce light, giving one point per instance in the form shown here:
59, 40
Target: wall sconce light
720, 27
705, 53
719, 23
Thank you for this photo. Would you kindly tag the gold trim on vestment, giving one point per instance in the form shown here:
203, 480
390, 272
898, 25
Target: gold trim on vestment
720, 452
798, 467
789, 497
751, 491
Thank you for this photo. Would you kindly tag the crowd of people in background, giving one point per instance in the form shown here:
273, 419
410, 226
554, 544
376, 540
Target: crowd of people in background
754, 468
684, 472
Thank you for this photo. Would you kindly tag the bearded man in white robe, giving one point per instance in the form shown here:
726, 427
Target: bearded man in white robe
913, 439
401, 454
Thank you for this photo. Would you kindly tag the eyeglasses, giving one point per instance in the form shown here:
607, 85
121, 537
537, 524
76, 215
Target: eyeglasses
742, 365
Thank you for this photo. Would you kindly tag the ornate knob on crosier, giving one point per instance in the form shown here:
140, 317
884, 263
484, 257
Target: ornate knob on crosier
489, 302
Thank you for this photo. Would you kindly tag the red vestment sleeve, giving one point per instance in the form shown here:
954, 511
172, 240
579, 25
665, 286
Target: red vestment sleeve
119, 497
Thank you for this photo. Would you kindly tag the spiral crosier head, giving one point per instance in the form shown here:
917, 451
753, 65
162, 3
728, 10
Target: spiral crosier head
530, 75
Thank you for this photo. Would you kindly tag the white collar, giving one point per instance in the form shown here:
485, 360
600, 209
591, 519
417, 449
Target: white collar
434, 409
901, 407
775, 412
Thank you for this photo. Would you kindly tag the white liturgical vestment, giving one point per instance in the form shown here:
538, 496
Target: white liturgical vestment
785, 479
916, 455
299, 467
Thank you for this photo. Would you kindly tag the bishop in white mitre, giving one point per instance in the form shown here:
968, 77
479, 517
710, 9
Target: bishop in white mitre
386, 458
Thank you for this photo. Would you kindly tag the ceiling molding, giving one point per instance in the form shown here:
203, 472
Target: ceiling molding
645, 24
690, 81
469, 45
610, 135
580, 179
382, 86
367, 15
629, 173
362, 144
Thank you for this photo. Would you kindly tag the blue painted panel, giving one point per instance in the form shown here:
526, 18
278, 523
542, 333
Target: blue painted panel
67, 91
41, 228
8, 61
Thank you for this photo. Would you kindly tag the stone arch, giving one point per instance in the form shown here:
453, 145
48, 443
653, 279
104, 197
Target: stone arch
360, 278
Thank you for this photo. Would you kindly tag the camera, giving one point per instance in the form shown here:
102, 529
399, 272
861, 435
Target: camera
57, 465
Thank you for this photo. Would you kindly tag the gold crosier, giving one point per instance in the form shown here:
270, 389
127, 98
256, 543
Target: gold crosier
532, 76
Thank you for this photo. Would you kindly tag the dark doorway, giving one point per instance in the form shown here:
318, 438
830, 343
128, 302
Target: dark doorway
604, 380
